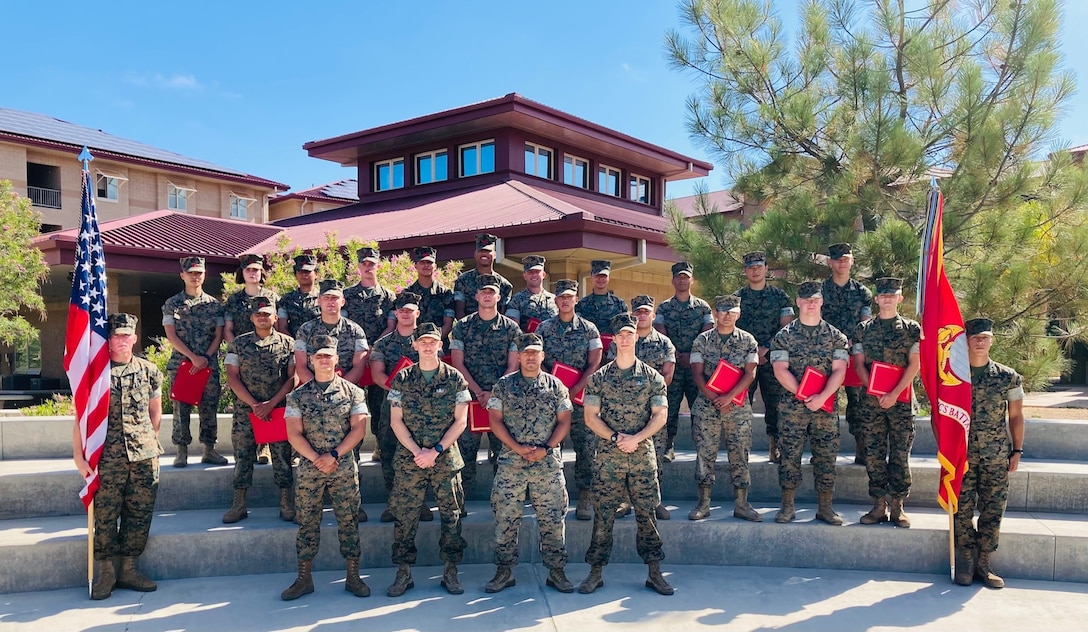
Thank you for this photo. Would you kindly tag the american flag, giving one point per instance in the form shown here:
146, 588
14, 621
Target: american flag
86, 353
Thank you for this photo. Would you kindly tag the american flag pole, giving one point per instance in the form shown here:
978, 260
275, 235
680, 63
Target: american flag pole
86, 351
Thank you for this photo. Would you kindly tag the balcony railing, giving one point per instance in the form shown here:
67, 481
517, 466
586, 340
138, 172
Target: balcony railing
40, 196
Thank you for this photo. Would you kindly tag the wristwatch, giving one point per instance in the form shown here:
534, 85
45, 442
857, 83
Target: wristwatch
615, 437
335, 454
438, 448
1016, 451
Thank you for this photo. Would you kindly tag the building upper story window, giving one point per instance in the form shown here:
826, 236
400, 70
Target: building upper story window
640, 189
576, 171
608, 180
389, 174
477, 158
431, 167
177, 197
239, 206
538, 160
109, 186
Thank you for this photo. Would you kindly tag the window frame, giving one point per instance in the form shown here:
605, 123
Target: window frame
376, 184
537, 150
433, 155
588, 180
234, 197
479, 146
606, 170
635, 180
188, 192
107, 176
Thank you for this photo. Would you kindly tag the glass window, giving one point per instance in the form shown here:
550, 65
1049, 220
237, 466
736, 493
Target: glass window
177, 198
576, 172
108, 187
389, 174
640, 189
27, 357
538, 161
478, 158
239, 207
608, 180
431, 167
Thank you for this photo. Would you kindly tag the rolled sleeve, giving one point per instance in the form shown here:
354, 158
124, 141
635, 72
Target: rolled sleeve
591, 400
840, 354
394, 398
779, 356
300, 345
494, 404
595, 343
232, 360
513, 314
463, 397
458, 295
659, 401
565, 405
292, 411
859, 349
752, 358
1015, 394
786, 311
695, 357
168, 319
457, 345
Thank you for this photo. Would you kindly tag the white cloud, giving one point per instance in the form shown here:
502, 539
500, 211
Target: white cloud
185, 82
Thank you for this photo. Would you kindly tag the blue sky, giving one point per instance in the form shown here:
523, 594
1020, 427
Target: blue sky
245, 84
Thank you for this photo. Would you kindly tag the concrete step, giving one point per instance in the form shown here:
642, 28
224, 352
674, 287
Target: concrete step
51, 437
50, 553
49, 487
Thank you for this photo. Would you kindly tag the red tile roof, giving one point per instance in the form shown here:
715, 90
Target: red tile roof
507, 204
340, 191
724, 200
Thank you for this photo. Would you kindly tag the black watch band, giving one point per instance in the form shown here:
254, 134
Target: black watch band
335, 454
438, 448
615, 436
1017, 451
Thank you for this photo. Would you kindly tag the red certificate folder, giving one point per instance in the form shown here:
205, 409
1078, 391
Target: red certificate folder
812, 383
478, 419
852, 378
569, 376
724, 379
366, 379
606, 341
269, 431
531, 326
188, 387
882, 379
403, 363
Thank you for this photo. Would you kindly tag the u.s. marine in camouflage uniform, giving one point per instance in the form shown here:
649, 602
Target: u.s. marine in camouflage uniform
260, 368
574, 341
681, 318
435, 300
534, 302
715, 414
766, 310
887, 425
252, 271
300, 304
812, 342
193, 321
326, 418
626, 402
468, 283
601, 304
653, 348
994, 447
428, 413
352, 345
482, 349
847, 304
128, 468
530, 414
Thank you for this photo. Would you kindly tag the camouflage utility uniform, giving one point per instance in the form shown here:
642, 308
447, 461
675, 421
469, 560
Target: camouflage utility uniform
236, 310
350, 338
436, 302
326, 410
389, 349
986, 483
761, 315
683, 321
888, 432
846, 308
802, 346
626, 398
487, 345
529, 408
600, 308
128, 469
297, 308
262, 368
195, 319
708, 423
427, 406
525, 305
570, 343
372, 309
464, 290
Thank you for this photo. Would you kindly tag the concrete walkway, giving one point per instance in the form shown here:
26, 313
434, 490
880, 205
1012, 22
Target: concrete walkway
1059, 396
723, 598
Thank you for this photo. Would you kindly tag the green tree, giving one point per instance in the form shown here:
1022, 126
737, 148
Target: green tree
838, 132
22, 268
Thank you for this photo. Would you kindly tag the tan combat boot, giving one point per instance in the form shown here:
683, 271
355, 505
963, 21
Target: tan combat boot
387, 515
899, 517
304, 583
584, 511
662, 512
211, 457
287, 504
105, 579
657, 581
131, 578
825, 512
504, 578
402, 582
264, 455
773, 453
984, 572
741, 508
557, 579
237, 509
181, 459
450, 581
593, 581
879, 512
353, 583
702, 508
786, 513
965, 566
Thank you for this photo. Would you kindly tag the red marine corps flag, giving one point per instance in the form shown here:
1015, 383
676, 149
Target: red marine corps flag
946, 371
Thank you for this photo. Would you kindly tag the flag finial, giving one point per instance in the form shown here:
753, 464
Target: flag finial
85, 156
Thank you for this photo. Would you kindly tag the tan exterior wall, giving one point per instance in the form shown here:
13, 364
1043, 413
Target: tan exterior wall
295, 207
